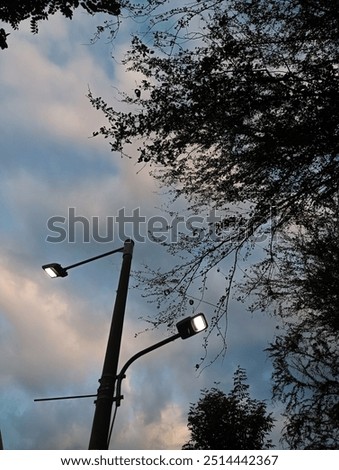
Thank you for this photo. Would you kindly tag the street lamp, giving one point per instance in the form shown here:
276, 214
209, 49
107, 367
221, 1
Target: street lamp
105, 393
190, 326
56, 270
187, 327
110, 382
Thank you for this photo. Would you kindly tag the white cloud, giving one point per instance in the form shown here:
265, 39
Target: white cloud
50, 338
42, 94
168, 432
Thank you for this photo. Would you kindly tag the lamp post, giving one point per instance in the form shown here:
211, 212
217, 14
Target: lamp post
110, 382
104, 401
105, 393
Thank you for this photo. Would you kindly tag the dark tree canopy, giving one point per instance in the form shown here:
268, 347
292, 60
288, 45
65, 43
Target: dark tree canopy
254, 104
14, 12
234, 421
239, 115
305, 353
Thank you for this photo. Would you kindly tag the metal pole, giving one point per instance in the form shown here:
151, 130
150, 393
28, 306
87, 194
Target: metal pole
104, 401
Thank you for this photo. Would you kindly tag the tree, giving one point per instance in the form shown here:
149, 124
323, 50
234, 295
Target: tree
305, 290
14, 12
235, 421
240, 117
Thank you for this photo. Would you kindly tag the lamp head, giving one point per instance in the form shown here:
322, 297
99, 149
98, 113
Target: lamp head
190, 326
55, 270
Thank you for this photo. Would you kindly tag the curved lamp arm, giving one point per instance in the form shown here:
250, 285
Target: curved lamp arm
187, 327
136, 356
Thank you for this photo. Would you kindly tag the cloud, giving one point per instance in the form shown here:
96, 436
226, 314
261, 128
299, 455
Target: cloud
169, 431
49, 338
45, 93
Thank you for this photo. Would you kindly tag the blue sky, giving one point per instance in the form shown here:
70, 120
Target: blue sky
53, 333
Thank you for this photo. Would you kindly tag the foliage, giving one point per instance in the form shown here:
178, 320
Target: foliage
304, 289
306, 356
234, 421
14, 12
239, 116
3, 39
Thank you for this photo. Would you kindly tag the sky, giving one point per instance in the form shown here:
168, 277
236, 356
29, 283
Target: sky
53, 178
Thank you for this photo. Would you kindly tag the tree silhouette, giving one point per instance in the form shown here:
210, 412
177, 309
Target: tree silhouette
3, 39
234, 421
305, 291
239, 117
13, 12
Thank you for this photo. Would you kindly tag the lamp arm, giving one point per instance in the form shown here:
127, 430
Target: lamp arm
94, 258
136, 356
